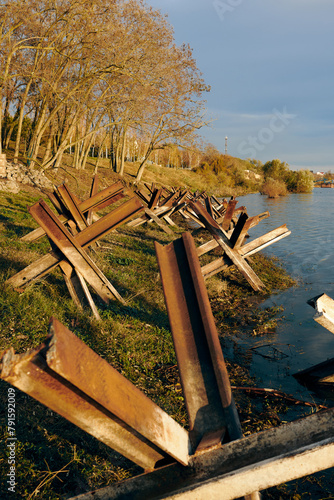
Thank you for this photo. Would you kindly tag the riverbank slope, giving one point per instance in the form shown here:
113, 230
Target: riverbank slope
56, 460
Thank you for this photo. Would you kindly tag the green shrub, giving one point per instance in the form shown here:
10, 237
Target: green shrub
274, 188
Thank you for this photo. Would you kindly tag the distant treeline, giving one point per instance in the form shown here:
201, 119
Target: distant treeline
274, 178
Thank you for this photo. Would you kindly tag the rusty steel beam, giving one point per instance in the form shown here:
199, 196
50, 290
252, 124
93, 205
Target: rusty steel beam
58, 204
85, 238
71, 379
245, 251
229, 214
208, 206
236, 236
78, 288
97, 202
73, 251
258, 461
154, 201
73, 207
263, 241
203, 373
223, 241
93, 191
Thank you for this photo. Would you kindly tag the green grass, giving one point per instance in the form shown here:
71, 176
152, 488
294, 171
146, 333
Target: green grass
56, 460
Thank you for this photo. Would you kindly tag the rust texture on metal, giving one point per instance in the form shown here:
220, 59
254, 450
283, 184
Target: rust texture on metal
73, 251
258, 461
201, 364
68, 377
214, 228
100, 228
73, 207
93, 191
98, 201
229, 214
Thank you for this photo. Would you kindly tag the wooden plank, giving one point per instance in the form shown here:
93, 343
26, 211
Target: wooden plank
191, 215
156, 219
78, 288
216, 266
207, 247
72, 283
222, 263
35, 271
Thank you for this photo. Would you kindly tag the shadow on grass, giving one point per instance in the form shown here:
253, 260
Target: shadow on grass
45, 440
12, 228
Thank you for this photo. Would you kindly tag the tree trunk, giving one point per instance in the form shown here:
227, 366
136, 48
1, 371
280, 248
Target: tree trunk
37, 137
47, 154
19, 126
121, 169
143, 164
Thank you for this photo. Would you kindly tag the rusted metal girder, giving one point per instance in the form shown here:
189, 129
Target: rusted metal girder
85, 238
237, 235
223, 241
236, 238
245, 251
204, 377
97, 202
93, 191
229, 214
73, 207
154, 201
227, 472
73, 251
71, 379
153, 214
78, 288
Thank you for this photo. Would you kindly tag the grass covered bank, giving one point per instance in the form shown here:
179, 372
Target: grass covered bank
56, 460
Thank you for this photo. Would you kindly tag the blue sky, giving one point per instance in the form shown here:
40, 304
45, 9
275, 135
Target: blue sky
270, 64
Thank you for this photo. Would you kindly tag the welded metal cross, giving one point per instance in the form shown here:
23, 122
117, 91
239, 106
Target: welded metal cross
234, 252
212, 459
70, 243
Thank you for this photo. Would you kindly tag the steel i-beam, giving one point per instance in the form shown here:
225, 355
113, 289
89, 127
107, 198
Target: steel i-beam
64, 374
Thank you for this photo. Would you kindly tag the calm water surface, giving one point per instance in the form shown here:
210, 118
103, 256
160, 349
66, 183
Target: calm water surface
308, 255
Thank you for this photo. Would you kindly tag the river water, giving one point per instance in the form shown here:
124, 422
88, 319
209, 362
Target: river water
308, 256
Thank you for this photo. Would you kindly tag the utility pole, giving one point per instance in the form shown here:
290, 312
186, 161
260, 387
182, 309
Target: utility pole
226, 145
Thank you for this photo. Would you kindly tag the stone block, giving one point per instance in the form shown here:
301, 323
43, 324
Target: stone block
3, 165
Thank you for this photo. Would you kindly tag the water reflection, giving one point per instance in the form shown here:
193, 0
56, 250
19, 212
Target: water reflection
308, 255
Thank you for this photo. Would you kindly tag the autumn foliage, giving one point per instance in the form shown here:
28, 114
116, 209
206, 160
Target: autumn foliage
79, 75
